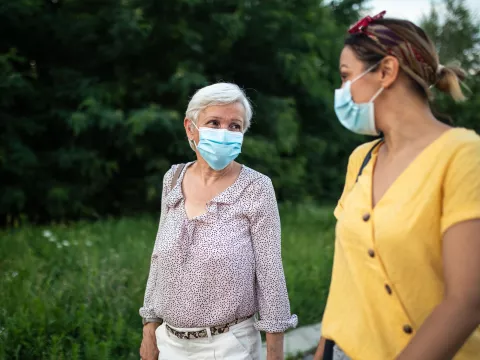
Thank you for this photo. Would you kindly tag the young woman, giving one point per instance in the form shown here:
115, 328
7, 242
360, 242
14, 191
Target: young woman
406, 273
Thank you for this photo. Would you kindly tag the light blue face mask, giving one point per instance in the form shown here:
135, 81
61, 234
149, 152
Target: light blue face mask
219, 147
358, 118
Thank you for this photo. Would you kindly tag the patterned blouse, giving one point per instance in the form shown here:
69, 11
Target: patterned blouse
220, 266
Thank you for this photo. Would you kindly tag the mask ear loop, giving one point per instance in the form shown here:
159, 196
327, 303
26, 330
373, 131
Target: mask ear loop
366, 71
191, 141
377, 94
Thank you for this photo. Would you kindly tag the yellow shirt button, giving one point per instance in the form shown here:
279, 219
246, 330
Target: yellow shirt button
407, 329
366, 217
388, 289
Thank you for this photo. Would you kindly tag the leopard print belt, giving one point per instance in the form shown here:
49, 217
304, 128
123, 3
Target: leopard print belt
214, 330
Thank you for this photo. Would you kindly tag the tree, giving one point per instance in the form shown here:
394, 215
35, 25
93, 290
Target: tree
93, 95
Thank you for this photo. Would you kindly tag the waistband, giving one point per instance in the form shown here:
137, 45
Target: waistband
199, 333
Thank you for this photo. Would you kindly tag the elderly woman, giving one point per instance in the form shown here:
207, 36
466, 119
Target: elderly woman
217, 260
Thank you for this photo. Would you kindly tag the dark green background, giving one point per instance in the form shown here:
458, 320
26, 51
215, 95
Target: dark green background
93, 94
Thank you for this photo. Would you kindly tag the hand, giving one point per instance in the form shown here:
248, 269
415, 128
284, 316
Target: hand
149, 349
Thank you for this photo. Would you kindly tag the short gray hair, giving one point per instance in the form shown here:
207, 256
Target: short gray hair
219, 94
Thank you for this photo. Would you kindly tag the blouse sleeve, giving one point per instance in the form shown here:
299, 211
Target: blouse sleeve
272, 296
461, 187
147, 310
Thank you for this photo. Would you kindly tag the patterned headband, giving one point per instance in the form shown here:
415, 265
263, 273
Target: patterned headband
392, 44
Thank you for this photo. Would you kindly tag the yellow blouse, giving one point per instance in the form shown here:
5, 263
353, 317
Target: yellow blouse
387, 271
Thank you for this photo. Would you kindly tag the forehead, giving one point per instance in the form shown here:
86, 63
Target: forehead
233, 111
349, 60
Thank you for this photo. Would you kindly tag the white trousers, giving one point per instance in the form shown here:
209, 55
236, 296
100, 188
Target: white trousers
242, 342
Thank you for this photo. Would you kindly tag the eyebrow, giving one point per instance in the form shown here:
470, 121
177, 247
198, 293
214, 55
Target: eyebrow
213, 117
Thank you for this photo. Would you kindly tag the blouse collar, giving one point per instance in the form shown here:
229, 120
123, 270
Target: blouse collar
229, 196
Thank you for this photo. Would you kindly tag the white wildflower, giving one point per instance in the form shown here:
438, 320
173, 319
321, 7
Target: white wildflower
47, 233
65, 243
88, 243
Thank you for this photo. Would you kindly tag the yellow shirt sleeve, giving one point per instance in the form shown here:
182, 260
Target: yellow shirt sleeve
461, 187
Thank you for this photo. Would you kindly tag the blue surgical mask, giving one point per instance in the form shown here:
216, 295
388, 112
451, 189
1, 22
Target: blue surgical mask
358, 118
219, 147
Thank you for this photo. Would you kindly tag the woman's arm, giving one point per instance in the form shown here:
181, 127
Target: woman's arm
146, 311
148, 347
458, 315
272, 296
320, 349
275, 346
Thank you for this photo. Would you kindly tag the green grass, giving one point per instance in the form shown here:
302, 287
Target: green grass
75, 294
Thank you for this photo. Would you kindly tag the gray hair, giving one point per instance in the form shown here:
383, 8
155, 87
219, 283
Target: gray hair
219, 94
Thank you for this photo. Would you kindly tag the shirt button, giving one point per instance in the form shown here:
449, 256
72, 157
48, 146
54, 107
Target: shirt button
366, 217
407, 329
388, 289
371, 253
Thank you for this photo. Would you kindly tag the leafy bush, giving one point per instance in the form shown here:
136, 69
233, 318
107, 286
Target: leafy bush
73, 292
93, 95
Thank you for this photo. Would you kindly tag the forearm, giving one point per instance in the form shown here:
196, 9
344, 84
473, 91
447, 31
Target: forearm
320, 349
443, 333
151, 327
274, 346
149, 330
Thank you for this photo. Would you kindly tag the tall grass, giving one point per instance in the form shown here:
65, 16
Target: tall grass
73, 292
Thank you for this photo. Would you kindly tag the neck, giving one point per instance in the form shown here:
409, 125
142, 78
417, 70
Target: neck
207, 174
411, 124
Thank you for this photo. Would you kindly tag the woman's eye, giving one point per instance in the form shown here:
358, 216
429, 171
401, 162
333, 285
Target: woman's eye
236, 127
213, 122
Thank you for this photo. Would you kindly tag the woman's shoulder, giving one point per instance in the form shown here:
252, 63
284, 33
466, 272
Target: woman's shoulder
174, 169
254, 176
167, 177
458, 138
359, 153
461, 148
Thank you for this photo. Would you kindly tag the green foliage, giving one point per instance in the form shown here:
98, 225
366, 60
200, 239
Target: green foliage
73, 292
93, 93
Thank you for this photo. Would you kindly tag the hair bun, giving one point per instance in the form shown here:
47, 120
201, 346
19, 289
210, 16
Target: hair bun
448, 81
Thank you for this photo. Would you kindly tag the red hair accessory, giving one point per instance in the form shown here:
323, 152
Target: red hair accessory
363, 23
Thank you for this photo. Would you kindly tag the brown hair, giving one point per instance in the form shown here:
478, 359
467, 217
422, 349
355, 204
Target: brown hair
414, 50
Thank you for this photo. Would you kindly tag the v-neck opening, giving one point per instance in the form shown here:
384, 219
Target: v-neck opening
214, 199
412, 163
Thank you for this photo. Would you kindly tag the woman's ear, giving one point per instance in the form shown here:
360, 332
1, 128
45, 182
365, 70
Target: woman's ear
389, 70
187, 123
